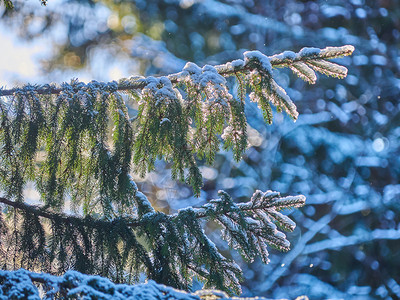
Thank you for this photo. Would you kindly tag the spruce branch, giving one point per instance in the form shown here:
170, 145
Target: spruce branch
178, 244
259, 201
23, 284
98, 246
284, 59
58, 217
250, 226
181, 117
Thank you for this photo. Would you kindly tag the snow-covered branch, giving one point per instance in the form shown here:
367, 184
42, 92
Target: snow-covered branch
23, 284
248, 227
285, 59
181, 117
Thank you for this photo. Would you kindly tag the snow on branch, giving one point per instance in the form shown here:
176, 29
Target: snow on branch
181, 117
251, 226
253, 60
23, 284
178, 244
308, 60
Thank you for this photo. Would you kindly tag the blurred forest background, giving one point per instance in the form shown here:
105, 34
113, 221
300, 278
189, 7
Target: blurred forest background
342, 153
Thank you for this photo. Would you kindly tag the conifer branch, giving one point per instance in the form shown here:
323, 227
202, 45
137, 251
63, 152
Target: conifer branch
59, 217
179, 244
181, 117
284, 59
259, 201
308, 54
22, 284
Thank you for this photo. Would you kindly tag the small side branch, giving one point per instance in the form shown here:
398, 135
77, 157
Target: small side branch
268, 200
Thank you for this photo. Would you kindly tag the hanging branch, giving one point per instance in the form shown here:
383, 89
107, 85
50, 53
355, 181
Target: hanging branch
181, 117
179, 246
